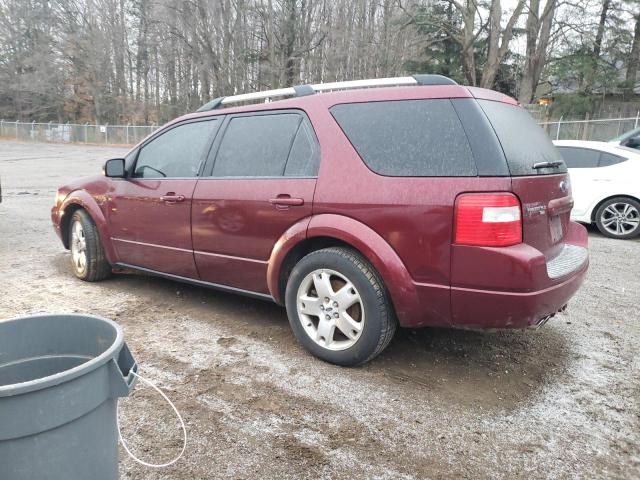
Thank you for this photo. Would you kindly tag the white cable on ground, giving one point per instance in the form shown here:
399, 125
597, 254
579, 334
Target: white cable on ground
184, 429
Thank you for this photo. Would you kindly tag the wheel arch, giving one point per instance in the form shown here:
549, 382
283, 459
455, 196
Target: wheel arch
82, 200
330, 230
67, 213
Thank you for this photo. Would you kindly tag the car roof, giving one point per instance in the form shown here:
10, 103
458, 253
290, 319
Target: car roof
609, 147
328, 99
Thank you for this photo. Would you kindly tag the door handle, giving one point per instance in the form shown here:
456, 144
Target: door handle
172, 198
283, 201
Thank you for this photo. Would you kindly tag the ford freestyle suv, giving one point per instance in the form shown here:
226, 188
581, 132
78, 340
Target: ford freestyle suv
413, 202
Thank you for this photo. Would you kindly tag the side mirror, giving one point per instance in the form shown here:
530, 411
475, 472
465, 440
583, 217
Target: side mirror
633, 142
114, 168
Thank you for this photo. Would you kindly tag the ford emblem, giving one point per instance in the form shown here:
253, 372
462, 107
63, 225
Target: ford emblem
564, 186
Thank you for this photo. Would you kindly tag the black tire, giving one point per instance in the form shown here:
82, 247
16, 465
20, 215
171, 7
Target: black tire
96, 266
618, 204
379, 323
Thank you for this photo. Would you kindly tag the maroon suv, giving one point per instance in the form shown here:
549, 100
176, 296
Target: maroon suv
421, 204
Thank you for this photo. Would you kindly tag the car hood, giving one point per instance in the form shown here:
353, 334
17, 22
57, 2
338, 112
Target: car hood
89, 183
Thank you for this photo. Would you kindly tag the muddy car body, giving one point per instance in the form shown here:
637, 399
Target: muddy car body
441, 205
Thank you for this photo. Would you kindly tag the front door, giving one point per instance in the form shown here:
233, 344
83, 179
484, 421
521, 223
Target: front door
259, 181
150, 211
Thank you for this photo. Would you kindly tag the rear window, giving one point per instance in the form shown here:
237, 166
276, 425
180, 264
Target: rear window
523, 141
408, 138
256, 146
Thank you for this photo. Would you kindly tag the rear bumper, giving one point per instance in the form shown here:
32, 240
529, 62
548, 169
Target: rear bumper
496, 309
515, 287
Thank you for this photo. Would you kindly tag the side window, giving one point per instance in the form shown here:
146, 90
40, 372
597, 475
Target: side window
304, 157
412, 138
579, 157
257, 145
608, 159
177, 152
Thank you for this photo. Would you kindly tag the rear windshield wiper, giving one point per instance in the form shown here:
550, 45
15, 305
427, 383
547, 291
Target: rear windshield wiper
554, 164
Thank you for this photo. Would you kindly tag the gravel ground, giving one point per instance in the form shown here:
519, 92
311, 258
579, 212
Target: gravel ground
558, 402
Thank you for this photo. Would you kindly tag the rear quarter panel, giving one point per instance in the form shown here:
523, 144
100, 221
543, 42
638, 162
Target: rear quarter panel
414, 215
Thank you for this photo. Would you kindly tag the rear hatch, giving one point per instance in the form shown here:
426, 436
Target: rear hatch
538, 176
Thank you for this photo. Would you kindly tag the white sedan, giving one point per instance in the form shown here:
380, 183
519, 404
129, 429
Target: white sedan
605, 181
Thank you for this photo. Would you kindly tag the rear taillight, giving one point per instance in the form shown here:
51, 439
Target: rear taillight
488, 220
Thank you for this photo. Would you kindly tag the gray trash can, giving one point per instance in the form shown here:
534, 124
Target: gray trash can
60, 378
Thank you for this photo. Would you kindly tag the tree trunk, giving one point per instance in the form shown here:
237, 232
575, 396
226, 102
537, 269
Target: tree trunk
538, 34
634, 61
468, 54
496, 53
592, 68
142, 54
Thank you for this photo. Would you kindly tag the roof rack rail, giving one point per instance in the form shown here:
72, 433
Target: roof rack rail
304, 90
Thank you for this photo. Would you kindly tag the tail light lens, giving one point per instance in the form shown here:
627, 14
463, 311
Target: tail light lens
488, 220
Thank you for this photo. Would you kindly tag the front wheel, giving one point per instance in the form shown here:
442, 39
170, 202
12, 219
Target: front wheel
88, 260
619, 217
338, 307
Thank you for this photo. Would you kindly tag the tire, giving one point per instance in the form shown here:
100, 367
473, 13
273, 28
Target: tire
366, 313
619, 217
88, 260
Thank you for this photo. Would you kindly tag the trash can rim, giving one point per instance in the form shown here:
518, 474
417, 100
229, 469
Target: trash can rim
70, 374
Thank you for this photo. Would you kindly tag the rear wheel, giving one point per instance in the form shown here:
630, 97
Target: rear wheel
619, 217
338, 307
88, 260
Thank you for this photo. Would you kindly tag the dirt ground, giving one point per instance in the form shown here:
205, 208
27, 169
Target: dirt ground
559, 402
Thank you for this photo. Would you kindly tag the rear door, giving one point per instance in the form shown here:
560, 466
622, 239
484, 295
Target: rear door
150, 211
545, 192
259, 181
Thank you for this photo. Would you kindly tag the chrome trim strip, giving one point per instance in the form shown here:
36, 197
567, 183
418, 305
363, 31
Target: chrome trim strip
231, 257
570, 258
151, 245
199, 283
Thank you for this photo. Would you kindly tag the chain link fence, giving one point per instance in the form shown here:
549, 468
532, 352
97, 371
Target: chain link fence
75, 132
600, 129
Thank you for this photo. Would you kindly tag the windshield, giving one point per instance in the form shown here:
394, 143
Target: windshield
626, 136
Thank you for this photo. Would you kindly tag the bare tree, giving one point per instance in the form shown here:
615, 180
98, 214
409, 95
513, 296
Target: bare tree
538, 30
498, 40
634, 60
150, 60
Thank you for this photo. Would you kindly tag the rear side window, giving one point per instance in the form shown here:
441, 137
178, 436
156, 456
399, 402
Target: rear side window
408, 138
580, 157
304, 157
576, 157
523, 141
260, 145
608, 159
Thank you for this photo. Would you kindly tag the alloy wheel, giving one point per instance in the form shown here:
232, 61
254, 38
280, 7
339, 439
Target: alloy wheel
78, 247
330, 309
620, 218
